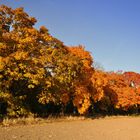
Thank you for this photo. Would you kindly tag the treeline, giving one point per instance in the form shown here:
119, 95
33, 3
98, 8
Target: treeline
40, 75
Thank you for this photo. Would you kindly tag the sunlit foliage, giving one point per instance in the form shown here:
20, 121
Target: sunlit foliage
38, 73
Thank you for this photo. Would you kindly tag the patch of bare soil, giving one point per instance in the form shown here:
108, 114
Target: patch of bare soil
109, 128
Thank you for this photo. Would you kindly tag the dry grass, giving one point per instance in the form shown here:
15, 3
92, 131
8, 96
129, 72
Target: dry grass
31, 120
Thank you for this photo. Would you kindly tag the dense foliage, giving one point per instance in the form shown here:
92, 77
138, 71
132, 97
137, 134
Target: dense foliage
40, 75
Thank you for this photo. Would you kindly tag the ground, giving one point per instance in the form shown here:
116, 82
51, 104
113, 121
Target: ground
108, 128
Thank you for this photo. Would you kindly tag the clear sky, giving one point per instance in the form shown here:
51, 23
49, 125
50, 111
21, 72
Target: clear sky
109, 29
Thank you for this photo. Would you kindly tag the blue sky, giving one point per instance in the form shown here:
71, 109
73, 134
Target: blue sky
109, 29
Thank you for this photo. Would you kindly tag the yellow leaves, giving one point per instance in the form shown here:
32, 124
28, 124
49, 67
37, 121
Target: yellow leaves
41, 72
28, 75
46, 97
21, 66
30, 36
48, 38
1, 76
31, 86
43, 100
31, 60
33, 78
45, 35
22, 18
28, 40
5, 95
48, 83
20, 55
35, 60
36, 82
12, 73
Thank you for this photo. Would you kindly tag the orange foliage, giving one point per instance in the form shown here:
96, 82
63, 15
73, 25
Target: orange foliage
83, 55
132, 77
122, 95
81, 99
51, 72
99, 81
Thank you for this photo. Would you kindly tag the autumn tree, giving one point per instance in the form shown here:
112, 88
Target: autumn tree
38, 71
122, 96
35, 68
82, 85
23, 52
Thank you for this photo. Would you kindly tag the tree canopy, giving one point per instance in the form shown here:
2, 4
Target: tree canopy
38, 73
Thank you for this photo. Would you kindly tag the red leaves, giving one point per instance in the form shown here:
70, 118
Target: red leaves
132, 77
